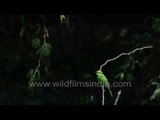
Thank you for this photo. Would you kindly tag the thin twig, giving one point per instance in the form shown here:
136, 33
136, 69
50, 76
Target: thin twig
137, 49
103, 97
118, 95
46, 34
39, 63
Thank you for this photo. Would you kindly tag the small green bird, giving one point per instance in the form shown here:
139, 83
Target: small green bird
103, 80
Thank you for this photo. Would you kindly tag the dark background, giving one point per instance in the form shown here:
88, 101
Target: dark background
77, 53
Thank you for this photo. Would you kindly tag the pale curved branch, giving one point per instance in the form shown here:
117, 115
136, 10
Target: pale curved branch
137, 49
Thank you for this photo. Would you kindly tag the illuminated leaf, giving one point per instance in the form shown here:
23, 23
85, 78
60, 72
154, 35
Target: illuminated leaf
62, 18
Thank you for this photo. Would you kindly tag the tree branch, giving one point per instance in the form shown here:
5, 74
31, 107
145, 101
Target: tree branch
103, 97
137, 49
118, 95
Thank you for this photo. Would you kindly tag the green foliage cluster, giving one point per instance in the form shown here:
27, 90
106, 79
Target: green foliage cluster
45, 50
156, 24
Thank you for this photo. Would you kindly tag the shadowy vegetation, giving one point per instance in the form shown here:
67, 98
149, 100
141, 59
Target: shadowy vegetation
74, 49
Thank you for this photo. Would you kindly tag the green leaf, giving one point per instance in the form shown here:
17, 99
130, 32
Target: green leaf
45, 50
130, 77
36, 43
38, 73
30, 73
121, 76
103, 80
33, 74
156, 24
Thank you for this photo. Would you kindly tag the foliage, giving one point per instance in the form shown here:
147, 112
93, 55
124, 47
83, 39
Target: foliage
156, 24
33, 74
64, 19
76, 56
36, 43
45, 50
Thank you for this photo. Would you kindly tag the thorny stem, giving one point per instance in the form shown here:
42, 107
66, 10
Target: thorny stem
118, 95
103, 98
137, 49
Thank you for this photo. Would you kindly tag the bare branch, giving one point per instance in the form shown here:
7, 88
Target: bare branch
103, 98
137, 49
118, 95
